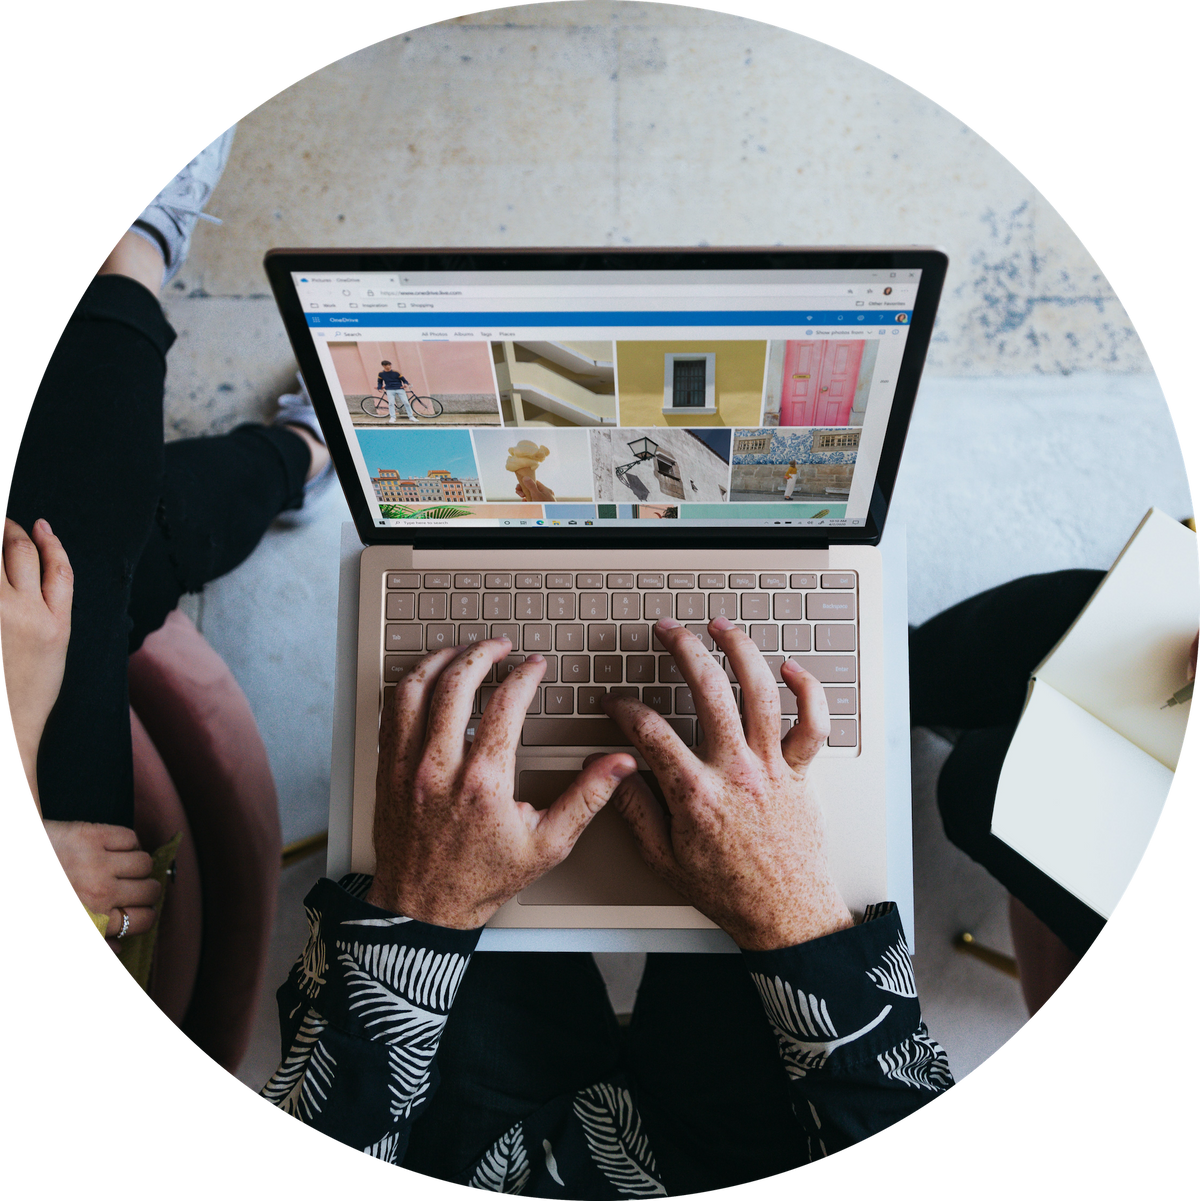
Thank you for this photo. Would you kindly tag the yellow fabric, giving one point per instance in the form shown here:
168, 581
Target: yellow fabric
137, 951
100, 921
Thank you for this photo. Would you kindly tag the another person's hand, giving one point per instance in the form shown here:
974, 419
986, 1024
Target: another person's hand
36, 586
742, 837
108, 871
534, 490
452, 843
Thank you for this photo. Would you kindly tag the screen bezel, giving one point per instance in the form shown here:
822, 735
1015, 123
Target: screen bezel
281, 263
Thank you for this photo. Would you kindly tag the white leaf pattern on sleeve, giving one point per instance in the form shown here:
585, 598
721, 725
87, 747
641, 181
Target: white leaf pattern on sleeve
802, 1025
619, 1147
895, 975
302, 1081
919, 1062
402, 995
312, 958
505, 1167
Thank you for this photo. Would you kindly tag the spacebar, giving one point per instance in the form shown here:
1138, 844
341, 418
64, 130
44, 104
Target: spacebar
588, 731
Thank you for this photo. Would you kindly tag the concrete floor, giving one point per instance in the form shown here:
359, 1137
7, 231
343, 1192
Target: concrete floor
1038, 441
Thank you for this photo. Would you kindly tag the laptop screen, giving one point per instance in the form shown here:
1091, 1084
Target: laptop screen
534, 400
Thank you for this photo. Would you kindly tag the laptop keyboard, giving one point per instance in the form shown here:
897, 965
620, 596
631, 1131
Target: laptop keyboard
595, 631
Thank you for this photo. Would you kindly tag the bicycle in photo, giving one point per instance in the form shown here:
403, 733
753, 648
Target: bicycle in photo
376, 405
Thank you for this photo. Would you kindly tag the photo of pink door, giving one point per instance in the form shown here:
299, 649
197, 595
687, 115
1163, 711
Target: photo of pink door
819, 379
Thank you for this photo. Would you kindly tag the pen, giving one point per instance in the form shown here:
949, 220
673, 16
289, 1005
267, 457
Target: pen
1183, 695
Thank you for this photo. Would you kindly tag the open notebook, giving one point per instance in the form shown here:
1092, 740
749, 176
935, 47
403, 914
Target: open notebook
1095, 752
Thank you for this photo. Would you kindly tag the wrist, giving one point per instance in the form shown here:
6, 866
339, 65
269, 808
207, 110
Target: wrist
818, 910
407, 902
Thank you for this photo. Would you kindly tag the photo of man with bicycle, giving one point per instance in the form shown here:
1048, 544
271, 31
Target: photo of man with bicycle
393, 384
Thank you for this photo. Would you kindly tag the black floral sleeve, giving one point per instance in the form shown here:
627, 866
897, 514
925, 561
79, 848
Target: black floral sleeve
360, 1017
844, 1009
362, 1013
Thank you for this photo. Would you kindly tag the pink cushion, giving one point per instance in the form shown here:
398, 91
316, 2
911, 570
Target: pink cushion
201, 726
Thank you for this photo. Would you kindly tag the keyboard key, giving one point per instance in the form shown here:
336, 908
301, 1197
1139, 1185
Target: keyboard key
589, 580
437, 579
431, 606
403, 579
588, 731
529, 579
841, 700
639, 669
650, 579
775, 663
560, 606
837, 579
627, 606
633, 692
588, 700
701, 632
658, 604
560, 579
742, 579
608, 669
576, 669
684, 703
832, 606
505, 667
772, 579
568, 638
529, 606
756, 606
635, 638
766, 638
787, 701
833, 638
593, 606
497, 579
804, 581
396, 667
504, 630
689, 606
497, 606
681, 579
472, 633
438, 637
829, 669
712, 579
468, 579
602, 637
843, 731
403, 638
620, 579
537, 637
659, 699
789, 606
668, 670
464, 606
797, 638
722, 604
400, 606
557, 700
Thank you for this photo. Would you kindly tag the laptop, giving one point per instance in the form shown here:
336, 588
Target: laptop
565, 445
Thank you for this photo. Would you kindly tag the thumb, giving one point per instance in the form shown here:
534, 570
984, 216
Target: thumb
562, 824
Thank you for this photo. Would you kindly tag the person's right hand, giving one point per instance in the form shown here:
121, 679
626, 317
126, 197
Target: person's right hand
742, 837
535, 490
108, 871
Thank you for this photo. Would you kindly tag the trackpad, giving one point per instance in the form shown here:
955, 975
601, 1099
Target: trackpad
605, 868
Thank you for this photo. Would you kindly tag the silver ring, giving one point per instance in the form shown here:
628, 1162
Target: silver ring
124, 923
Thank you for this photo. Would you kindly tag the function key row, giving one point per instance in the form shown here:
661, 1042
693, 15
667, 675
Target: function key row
737, 581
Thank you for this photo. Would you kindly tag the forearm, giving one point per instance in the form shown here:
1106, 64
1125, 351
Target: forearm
361, 1015
844, 1010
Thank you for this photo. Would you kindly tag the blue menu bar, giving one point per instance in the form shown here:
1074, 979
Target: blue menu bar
428, 320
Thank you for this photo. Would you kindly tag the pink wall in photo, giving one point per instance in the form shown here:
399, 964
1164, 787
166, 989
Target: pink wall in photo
432, 368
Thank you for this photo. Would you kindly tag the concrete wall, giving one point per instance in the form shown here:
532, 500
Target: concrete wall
431, 368
703, 474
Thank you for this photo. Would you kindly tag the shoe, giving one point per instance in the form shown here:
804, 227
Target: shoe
296, 408
168, 221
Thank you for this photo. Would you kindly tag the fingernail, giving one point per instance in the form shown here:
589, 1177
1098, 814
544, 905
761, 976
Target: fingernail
43, 522
535, 658
505, 638
667, 623
721, 623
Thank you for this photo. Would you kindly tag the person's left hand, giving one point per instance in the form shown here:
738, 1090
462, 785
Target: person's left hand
452, 843
36, 586
534, 490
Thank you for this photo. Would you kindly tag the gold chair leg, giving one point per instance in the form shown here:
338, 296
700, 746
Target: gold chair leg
294, 852
965, 942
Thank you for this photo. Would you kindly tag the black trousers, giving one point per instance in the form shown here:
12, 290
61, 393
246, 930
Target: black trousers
142, 523
969, 668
